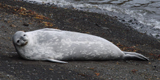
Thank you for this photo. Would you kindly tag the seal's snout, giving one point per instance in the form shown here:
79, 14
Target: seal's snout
23, 40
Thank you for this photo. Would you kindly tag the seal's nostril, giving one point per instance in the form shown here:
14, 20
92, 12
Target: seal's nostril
23, 38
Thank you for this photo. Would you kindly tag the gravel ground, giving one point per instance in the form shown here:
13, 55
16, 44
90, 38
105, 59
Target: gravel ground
17, 15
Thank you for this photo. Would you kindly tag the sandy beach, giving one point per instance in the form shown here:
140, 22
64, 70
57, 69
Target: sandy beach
18, 15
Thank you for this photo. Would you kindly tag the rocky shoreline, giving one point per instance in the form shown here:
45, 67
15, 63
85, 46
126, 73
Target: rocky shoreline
18, 15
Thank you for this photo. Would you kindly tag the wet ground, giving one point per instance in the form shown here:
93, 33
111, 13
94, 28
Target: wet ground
15, 15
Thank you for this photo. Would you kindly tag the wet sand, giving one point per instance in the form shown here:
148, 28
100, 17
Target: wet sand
17, 15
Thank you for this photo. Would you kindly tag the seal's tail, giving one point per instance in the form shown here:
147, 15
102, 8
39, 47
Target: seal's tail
134, 55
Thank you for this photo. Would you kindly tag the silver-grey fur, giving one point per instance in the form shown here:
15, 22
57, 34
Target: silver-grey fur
57, 45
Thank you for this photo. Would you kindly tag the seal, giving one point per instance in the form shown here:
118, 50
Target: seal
60, 45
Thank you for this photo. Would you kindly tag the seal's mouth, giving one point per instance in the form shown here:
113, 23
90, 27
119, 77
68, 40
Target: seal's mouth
23, 40
23, 44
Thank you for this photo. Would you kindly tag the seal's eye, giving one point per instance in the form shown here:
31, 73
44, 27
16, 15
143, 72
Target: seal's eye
17, 41
24, 35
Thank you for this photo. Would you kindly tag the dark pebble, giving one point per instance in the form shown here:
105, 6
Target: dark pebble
26, 24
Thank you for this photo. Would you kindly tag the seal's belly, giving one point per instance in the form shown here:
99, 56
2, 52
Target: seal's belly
78, 50
78, 47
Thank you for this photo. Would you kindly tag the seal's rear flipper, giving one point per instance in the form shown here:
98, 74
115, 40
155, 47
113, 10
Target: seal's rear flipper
57, 61
134, 55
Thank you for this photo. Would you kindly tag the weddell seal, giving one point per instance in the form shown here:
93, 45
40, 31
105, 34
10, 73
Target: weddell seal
58, 45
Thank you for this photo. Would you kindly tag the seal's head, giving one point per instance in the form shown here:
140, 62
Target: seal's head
20, 38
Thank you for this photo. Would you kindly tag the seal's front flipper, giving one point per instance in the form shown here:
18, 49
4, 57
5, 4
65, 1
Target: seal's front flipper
57, 61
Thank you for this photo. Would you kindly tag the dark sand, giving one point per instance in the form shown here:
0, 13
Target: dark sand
12, 67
